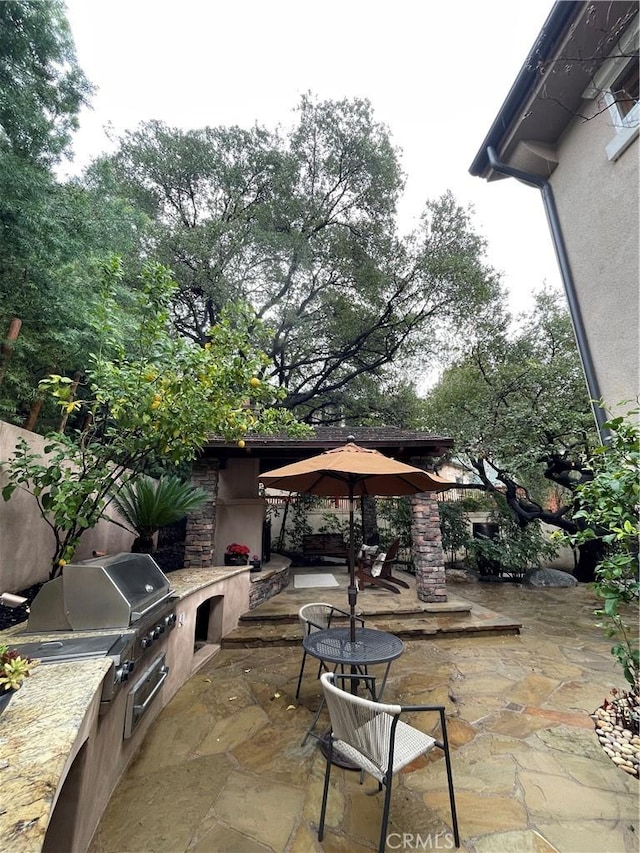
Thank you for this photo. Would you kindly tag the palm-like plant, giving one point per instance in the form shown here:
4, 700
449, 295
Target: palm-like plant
147, 505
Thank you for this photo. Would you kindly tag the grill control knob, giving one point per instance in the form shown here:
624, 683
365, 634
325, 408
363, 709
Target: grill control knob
122, 672
160, 628
155, 633
145, 642
170, 620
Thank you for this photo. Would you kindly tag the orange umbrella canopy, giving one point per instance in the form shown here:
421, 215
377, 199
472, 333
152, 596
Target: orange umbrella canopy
353, 470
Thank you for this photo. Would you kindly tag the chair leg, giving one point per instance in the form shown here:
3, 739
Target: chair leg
385, 813
377, 581
447, 759
304, 657
325, 792
316, 717
394, 579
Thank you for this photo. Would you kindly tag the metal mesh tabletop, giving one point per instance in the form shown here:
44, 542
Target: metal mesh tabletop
335, 646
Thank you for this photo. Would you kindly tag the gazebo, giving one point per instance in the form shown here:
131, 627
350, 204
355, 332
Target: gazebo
236, 510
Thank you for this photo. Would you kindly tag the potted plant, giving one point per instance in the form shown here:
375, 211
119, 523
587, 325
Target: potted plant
255, 563
13, 670
236, 555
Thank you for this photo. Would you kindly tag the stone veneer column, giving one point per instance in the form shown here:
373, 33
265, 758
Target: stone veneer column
201, 524
369, 521
426, 539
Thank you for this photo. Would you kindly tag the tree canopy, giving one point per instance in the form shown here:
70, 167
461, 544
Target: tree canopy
152, 404
303, 227
50, 232
518, 410
42, 87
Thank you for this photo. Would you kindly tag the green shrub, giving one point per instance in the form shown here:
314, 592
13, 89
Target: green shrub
454, 528
516, 548
147, 505
609, 505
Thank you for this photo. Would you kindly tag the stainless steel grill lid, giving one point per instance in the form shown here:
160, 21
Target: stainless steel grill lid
105, 592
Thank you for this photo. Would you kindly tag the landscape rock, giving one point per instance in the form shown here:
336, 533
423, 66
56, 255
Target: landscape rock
462, 576
549, 578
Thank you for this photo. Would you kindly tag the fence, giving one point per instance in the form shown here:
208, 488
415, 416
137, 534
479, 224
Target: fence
341, 505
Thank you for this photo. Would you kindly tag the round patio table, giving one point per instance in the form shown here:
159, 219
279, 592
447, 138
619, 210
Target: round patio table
334, 645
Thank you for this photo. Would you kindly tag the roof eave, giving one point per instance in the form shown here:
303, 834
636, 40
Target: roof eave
553, 30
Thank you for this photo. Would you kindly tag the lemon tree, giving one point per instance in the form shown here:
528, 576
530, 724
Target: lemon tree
150, 405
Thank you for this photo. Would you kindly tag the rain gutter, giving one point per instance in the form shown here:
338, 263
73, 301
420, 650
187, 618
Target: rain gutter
582, 340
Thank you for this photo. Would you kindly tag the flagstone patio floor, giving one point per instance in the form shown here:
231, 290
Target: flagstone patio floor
222, 769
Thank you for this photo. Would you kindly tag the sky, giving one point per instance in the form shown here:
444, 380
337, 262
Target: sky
436, 74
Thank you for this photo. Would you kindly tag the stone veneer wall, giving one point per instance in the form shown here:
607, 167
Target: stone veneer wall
201, 525
266, 584
427, 543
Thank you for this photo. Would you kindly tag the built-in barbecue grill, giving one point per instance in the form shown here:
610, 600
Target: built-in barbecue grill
124, 592
105, 592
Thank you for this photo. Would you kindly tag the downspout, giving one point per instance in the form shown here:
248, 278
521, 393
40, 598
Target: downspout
593, 386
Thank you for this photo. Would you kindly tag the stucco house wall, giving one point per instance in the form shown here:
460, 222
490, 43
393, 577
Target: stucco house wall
597, 201
569, 127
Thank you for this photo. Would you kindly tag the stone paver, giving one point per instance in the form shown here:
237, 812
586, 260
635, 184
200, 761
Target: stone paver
514, 842
266, 813
529, 773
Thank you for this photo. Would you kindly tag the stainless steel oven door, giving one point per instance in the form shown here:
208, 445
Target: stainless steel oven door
142, 694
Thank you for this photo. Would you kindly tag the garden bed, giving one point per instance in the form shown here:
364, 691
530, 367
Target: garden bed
10, 616
620, 742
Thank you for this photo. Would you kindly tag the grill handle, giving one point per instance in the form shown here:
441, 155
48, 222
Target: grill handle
140, 709
138, 614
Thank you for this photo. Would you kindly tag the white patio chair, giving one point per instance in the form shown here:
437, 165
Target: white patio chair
371, 735
317, 616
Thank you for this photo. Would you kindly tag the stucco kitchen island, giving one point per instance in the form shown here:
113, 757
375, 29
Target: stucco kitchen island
60, 759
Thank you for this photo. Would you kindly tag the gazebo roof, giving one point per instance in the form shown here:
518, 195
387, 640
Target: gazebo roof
275, 450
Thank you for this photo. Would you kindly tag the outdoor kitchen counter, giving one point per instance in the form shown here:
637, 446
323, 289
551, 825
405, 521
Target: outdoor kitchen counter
184, 582
41, 731
55, 713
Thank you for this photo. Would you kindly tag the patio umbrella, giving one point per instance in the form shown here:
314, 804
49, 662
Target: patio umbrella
353, 471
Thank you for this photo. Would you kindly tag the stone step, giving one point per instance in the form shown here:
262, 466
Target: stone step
290, 614
279, 632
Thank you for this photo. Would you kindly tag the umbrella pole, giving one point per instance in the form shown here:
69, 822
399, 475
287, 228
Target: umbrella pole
352, 591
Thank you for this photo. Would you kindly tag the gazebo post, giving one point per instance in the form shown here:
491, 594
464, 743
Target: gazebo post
426, 538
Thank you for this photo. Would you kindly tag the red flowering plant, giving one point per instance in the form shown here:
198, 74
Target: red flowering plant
236, 550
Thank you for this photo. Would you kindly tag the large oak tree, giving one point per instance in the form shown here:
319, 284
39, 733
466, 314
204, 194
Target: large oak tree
304, 228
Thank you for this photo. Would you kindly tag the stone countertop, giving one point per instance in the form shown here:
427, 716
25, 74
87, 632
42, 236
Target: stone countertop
184, 582
38, 731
